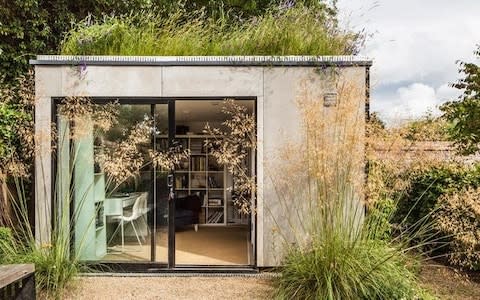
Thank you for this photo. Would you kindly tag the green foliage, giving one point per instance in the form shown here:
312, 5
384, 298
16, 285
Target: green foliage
333, 252
458, 219
465, 113
16, 126
379, 216
421, 197
10, 117
6, 238
24, 30
340, 270
239, 9
294, 31
31, 27
426, 128
55, 266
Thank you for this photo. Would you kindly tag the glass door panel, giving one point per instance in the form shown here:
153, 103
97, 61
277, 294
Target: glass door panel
106, 161
208, 226
160, 240
122, 152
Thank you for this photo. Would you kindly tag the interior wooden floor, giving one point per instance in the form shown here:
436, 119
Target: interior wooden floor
225, 245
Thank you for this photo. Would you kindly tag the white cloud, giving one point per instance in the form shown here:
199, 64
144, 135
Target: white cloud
413, 101
410, 102
415, 45
416, 98
447, 93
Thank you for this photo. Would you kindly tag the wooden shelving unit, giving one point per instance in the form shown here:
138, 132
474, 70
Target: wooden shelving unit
200, 174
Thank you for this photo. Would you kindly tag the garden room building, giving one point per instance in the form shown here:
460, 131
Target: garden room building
170, 163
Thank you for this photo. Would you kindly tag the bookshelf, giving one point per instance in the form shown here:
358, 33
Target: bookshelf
201, 174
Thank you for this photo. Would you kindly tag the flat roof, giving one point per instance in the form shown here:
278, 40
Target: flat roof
201, 60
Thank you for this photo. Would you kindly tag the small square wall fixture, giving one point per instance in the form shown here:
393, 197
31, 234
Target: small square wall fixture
330, 99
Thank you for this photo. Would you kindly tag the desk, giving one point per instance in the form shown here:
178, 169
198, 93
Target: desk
115, 206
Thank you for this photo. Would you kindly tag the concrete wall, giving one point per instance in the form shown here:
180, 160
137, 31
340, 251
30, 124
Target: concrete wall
276, 89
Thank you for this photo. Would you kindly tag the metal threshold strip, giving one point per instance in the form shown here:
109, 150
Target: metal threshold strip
186, 273
136, 268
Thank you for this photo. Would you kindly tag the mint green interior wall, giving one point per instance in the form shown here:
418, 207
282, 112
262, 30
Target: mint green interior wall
88, 192
83, 183
62, 201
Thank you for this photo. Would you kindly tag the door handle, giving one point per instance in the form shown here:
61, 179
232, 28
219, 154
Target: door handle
170, 180
171, 194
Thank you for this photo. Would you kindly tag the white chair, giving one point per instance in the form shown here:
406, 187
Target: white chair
139, 210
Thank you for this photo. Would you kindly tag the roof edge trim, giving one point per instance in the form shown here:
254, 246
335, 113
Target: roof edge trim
202, 60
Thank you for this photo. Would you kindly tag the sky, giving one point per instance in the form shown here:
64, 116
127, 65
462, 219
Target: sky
414, 45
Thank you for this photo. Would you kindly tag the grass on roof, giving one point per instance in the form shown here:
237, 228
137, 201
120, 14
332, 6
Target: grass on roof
293, 31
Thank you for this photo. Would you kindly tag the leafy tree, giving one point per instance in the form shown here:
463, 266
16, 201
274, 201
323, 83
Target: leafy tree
464, 114
248, 8
16, 136
23, 30
375, 120
31, 27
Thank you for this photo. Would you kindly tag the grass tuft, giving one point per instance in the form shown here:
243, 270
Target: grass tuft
55, 264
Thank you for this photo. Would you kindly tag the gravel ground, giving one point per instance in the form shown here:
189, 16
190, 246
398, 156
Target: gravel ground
447, 283
170, 288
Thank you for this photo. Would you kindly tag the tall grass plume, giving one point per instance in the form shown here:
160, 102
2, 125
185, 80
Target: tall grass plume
330, 249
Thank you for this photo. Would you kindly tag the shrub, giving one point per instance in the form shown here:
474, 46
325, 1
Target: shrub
426, 186
5, 239
379, 216
54, 268
458, 218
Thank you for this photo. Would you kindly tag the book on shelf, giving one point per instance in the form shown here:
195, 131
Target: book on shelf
215, 202
198, 163
181, 181
215, 217
212, 182
197, 146
198, 181
205, 200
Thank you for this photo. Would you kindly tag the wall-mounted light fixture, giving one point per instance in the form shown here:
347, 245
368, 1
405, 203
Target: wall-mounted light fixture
330, 99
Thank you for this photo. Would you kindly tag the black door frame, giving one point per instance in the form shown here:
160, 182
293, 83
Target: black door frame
153, 102
171, 186
153, 265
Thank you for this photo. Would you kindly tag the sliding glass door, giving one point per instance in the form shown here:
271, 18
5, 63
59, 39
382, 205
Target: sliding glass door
139, 180
210, 227
107, 181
